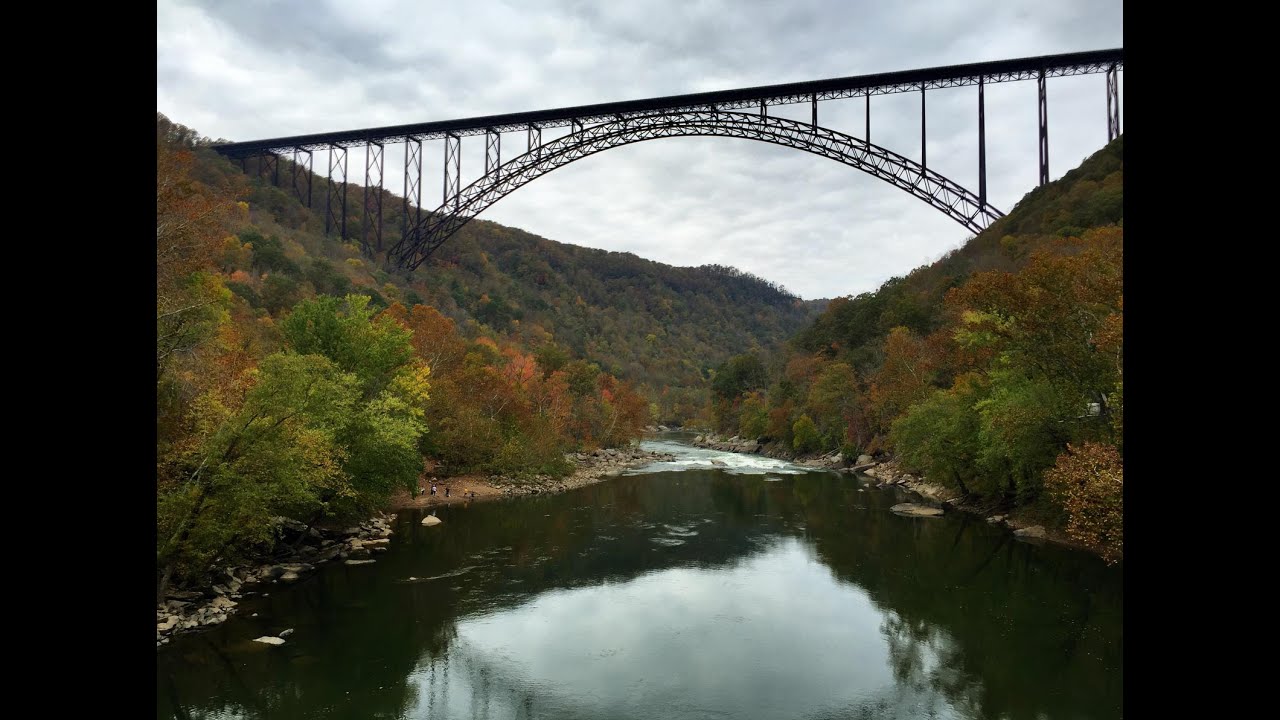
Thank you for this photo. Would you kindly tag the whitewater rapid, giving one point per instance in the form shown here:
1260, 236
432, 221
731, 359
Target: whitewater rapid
695, 458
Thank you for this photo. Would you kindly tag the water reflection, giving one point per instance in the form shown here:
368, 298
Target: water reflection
686, 594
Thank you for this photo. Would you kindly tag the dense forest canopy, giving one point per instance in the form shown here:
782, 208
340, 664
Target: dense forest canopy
996, 370
299, 378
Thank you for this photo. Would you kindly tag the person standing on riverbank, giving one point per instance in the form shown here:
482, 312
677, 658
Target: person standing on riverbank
433, 488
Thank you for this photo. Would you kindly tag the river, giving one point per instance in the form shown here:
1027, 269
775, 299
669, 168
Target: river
713, 586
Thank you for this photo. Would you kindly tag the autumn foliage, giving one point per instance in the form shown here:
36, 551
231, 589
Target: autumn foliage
1088, 481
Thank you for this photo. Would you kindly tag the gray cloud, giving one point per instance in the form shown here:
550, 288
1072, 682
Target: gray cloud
246, 69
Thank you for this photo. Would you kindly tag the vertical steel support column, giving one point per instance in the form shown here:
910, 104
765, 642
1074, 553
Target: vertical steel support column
868, 96
412, 183
300, 169
331, 215
764, 109
372, 197
575, 126
268, 162
452, 170
982, 142
813, 122
492, 152
924, 157
1044, 131
1113, 103
534, 138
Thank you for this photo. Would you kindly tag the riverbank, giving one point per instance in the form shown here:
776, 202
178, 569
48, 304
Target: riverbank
888, 472
301, 549
591, 467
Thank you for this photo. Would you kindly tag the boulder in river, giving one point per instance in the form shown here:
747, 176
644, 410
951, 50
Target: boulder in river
1035, 531
269, 640
916, 510
431, 520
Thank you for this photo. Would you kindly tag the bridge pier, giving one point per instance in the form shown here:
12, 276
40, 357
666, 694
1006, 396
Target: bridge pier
412, 182
492, 152
533, 136
452, 162
1044, 131
924, 157
337, 161
868, 96
982, 142
372, 198
268, 162
298, 171
1113, 103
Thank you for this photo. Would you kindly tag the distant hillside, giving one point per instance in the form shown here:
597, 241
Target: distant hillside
661, 327
1089, 196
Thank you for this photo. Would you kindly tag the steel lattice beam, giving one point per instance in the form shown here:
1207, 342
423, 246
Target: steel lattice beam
982, 144
492, 152
269, 163
1084, 63
301, 170
1044, 132
412, 184
952, 199
1113, 104
373, 156
337, 161
452, 168
533, 138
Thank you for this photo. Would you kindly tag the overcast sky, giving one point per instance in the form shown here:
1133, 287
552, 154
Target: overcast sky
254, 69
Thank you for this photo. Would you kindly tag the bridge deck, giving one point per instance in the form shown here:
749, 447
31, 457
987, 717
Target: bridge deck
1082, 63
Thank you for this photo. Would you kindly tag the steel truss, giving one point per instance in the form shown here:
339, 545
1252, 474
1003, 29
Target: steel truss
412, 184
452, 168
372, 199
300, 171
337, 161
457, 210
1044, 131
758, 98
1113, 104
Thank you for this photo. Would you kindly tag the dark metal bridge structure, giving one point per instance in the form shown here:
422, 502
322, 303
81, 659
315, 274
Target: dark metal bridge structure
742, 113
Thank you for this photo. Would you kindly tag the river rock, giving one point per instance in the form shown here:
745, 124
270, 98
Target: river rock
358, 562
863, 459
167, 625
286, 633
996, 519
1035, 531
223, 603
916, 510
289, 576
269, 640
431, 520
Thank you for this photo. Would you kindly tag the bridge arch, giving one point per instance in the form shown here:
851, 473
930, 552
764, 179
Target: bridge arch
947, 196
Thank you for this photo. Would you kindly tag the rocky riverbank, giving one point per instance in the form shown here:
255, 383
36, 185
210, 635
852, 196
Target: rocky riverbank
301, 549
591, 467
888, 472
298, 553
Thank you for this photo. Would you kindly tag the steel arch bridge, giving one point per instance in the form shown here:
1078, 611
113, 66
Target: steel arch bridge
595, 128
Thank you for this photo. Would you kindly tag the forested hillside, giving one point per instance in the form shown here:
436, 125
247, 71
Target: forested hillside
297, 379
996, 370
660, 327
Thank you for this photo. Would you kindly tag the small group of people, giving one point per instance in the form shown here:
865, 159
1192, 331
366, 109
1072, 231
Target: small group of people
422, 490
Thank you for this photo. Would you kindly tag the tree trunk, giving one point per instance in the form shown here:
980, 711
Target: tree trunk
162, 585
960, 482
